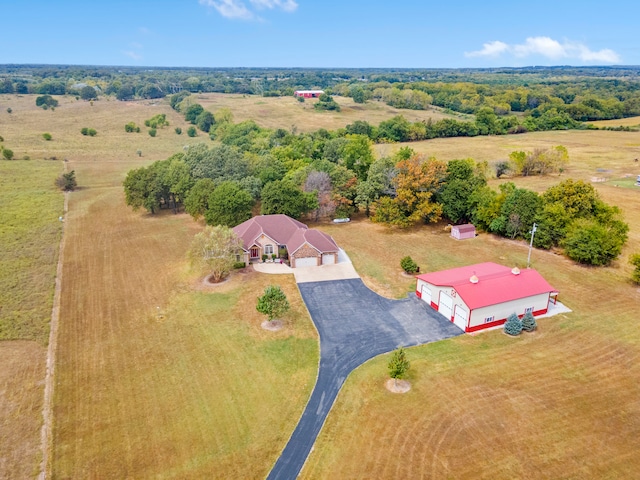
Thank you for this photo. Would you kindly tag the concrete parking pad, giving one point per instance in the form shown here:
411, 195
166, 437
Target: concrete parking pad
273, 268
323, 273
355, 324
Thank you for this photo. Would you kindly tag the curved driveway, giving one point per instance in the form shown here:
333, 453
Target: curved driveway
355, 325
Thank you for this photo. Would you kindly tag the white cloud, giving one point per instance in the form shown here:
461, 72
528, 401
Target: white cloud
606, 55
238, 9
549, 48
229, 8
545, 46
491, 49
286, 5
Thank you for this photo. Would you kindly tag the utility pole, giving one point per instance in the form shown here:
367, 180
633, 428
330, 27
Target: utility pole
532, 232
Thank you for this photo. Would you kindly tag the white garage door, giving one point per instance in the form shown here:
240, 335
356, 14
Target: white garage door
328, 259
306, 262
460, 318
426, 294
446, 305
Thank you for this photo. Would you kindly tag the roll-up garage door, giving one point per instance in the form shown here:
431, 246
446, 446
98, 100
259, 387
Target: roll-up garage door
445, 306
426, 294
460, 317
306, 262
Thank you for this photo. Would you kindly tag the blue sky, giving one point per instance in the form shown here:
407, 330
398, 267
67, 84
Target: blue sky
313, 33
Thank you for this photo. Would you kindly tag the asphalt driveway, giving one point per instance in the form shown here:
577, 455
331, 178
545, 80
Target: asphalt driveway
355, 324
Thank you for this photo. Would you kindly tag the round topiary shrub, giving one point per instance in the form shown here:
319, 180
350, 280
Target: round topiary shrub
513, 325
408, 265
529, 322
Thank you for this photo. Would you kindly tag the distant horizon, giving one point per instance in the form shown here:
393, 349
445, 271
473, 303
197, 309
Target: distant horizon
308, 33
276, 67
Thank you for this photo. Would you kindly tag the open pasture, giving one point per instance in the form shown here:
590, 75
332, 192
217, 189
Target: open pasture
592, 153
287, 112
618, 122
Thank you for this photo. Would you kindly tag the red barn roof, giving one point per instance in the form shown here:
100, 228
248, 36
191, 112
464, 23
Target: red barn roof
496, 283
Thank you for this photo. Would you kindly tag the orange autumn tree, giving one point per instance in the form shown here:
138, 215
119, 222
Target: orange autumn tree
416, 182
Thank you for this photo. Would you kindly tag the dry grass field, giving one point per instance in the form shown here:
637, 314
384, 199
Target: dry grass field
624, 122
159, 376
286, 112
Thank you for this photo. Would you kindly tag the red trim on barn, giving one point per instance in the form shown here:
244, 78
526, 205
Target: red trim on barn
502, 321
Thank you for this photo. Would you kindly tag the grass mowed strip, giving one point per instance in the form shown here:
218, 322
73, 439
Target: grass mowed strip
29, 235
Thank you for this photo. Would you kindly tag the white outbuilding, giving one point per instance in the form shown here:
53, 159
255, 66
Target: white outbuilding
483, 295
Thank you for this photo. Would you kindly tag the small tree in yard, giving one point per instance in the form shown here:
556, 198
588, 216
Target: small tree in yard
273, 303
513, 325
47, 136
408, 265
398, 365
7, 154
191, 131
215, 249
635, 261
67, 181
529, 322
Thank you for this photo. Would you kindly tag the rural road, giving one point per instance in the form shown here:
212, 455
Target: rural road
355, 324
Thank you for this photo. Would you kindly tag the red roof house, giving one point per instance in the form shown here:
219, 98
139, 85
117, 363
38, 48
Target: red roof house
483, 295
276, 234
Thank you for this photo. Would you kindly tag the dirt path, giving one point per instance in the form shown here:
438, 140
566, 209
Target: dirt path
47, 416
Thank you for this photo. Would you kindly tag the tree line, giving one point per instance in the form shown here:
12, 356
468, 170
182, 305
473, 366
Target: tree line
327, 174
550, 97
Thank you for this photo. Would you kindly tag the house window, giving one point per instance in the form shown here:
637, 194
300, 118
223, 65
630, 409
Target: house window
268, 249
489, 319
528, 310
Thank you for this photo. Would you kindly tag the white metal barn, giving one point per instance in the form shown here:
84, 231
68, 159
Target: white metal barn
483, 295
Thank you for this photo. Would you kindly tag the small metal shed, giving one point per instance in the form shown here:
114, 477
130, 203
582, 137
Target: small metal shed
460, 232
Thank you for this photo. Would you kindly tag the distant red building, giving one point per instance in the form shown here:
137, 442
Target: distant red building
308, 93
